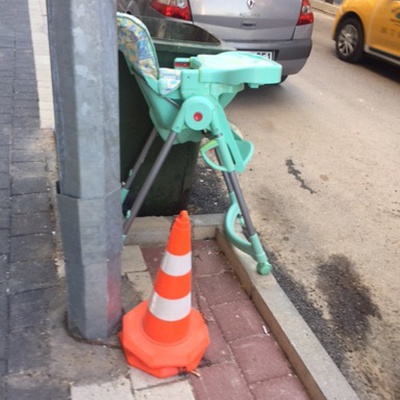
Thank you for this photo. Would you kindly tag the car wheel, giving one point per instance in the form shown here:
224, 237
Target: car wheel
350, 40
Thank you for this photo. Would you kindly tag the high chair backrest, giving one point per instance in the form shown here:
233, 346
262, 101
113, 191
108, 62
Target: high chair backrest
135, 42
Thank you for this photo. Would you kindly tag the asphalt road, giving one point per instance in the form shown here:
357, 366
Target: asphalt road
324, 192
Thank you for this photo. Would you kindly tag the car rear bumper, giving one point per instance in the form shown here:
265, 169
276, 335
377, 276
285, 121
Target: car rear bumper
291, 54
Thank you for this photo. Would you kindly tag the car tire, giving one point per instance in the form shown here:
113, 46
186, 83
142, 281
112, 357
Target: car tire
350, 40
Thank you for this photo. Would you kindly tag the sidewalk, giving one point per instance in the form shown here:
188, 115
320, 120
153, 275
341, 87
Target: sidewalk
260, 347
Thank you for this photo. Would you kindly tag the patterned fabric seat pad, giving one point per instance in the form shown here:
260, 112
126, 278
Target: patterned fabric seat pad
138, 48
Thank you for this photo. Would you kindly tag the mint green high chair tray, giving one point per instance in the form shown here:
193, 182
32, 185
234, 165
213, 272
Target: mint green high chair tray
187, 103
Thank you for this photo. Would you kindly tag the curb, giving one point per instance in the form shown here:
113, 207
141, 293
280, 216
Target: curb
316, 370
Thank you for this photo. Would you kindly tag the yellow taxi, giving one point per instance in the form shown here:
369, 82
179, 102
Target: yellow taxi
368, 27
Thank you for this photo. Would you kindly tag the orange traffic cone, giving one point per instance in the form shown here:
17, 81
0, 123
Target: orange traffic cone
166, 336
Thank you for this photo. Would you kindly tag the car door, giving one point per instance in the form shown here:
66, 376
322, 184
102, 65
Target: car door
247, 20
385, 29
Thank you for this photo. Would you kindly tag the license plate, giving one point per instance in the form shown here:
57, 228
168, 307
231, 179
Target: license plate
267, 54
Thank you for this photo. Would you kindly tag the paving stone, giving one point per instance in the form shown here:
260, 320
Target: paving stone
26, 122
4, 218
23, 42
260, 358
6, 107
221, 381
24, 102
3, 267
4, 165
5, 138
31, 247
28, 169
218, 351
25, 134
7, 71
5, 80
32, 275
5, 200
26, 224
119, 389
221, 288
238, 319
3, 370
3, 320
4, 180
24, 74
23, 142
3, 339
199, 302
31, 96
149, 230
5, 152
23, 87
6, 94
29, 309
26, 112
132, 260
177, 390
24, 185
207, 258
30, 203
142, 284
283, 388
23, 155
153, 256
28, 349
36, 388
6, 118
6, 90
4, 244
5, 133
140, 380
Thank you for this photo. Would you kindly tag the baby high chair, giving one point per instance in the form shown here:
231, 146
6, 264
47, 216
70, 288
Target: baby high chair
187, 103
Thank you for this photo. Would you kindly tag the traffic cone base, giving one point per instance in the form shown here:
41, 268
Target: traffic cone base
163, 359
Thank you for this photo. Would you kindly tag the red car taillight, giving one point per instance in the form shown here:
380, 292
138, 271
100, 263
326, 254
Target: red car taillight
306, 14
173, 8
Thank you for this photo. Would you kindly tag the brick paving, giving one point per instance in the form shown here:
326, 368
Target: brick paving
27, 271
243, 360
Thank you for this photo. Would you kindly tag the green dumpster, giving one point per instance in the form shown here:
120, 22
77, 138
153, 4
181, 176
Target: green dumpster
170, 192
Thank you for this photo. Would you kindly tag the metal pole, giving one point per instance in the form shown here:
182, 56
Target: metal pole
83, 48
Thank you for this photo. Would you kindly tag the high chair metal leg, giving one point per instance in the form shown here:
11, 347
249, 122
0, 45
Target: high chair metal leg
142, 156
239, 211
149, 181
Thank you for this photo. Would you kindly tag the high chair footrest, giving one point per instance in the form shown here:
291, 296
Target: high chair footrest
246, 150
251, 246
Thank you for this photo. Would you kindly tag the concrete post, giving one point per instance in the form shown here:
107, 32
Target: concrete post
83, 48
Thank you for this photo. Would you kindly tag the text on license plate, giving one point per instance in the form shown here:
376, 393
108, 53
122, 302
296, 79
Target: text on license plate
267, 54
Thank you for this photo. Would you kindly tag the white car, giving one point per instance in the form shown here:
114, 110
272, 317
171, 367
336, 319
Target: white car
277, 29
